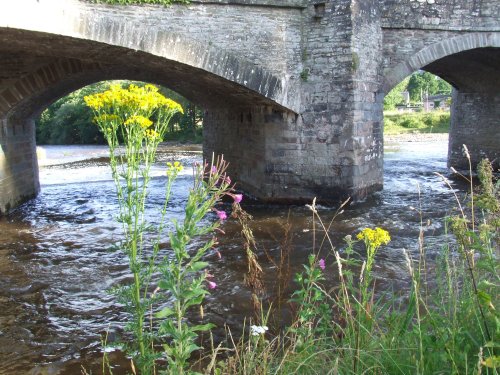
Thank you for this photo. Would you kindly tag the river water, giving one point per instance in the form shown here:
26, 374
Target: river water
55, 263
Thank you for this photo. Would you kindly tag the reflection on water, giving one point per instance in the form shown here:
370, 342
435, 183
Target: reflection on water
55, 262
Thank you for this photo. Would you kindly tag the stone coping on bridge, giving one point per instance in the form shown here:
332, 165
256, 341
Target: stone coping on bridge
264, 3
297, 4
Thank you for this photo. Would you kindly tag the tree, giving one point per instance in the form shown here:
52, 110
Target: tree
394, 97
422, 83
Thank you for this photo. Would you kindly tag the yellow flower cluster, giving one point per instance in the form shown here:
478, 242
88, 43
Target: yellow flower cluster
134, 98
175, 167
375, 237
151, 134
142, 121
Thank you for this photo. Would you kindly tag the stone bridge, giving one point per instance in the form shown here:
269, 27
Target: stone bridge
292, 89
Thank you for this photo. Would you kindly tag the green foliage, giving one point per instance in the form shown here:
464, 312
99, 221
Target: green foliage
420, 122
313, 315
425, 82
355, 62
304, 74
69, 120
394, 97
417, 84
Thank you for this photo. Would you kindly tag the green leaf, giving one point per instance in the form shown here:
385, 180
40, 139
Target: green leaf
167, 311
202, 327
484, 297
197, 266
491, 344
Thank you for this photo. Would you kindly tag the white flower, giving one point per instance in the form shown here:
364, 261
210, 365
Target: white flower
258, 330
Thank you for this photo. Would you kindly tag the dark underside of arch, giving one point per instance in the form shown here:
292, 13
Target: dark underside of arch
476, 70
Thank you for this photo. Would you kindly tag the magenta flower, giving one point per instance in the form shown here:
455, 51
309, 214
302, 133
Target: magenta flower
213, 170
212, 285
237, 198
321, 263
221, 215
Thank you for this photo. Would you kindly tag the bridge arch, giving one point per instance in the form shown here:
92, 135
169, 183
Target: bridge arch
469, 62
75, 31
434, 52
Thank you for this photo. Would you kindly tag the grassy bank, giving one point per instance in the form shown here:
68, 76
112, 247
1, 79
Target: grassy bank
416, 122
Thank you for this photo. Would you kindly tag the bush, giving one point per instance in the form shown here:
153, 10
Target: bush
422, 122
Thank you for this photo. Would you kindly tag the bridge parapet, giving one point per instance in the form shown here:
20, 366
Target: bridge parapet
457, 15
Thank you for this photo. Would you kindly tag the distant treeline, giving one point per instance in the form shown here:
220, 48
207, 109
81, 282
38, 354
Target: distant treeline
70, 121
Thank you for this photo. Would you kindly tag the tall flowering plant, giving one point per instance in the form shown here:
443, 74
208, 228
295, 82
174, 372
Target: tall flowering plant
138, 117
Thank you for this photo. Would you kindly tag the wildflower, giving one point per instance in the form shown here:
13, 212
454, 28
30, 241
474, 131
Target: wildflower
321, 264
258, 330
152, 134
174, 167
375, 237
213, 170
212, 285
221, 215
237, 198
142, 121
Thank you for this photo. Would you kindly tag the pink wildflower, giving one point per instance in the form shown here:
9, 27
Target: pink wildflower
221, 215
321, 263
237, 198
213, 170
212, 285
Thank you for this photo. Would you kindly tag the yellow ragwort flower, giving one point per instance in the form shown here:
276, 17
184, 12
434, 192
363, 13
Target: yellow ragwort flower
175, 167
142, 121
151, 134
375, 237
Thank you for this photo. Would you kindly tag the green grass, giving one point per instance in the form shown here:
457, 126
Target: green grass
416, 122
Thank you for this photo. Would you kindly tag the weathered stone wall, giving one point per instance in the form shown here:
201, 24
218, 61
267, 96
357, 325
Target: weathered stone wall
476, 15
475, 122
262, 146
18, 164
367, 131
326, 135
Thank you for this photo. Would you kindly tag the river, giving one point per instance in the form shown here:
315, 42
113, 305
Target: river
55, 263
